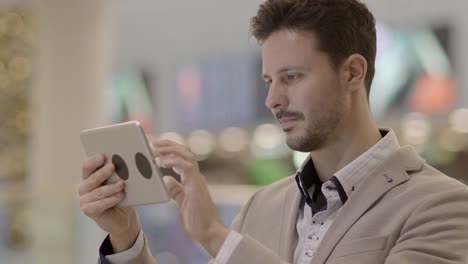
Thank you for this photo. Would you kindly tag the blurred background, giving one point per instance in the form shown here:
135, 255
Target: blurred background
188, 71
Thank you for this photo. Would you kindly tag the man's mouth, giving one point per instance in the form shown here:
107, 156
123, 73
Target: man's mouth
288, 119
288, 122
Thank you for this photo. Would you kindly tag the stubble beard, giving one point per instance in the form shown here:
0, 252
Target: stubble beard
317, 133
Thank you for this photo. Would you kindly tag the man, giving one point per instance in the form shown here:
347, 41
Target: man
359, 198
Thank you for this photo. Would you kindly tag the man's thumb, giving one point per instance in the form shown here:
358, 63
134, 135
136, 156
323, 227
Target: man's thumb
175, 189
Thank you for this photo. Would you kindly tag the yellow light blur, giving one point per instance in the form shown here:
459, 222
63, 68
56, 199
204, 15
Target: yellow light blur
234, 139
19, 68
416, 128
202, 143
173, 136
458, 120
13, 24
267, 136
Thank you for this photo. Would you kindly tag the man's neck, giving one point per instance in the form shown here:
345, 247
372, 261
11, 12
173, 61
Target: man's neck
346, 145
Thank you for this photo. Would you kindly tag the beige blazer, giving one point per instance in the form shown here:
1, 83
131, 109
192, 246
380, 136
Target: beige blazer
421, 216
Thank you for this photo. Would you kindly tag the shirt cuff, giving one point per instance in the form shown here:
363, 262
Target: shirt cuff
229, 245
124, 256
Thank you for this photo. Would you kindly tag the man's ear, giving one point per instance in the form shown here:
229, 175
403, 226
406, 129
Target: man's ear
355, 69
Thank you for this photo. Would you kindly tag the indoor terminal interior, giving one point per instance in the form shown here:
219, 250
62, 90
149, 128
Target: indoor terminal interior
188, 71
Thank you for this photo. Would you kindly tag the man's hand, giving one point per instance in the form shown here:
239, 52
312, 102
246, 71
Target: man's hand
197, 210
98, 201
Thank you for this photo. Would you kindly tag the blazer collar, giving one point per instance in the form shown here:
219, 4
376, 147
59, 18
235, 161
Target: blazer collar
393, 172
290, 211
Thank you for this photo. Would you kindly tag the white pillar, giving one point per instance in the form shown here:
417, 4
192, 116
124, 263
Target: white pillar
71, 70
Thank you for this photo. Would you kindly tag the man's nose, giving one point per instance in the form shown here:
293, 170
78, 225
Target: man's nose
276, 97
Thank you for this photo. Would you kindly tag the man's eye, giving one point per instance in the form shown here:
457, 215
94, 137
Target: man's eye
293, 76
267, 83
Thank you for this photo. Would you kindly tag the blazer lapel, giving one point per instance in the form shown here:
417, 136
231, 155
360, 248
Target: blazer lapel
391, 173
288, 233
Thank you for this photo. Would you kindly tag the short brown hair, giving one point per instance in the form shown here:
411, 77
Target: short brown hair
343, 27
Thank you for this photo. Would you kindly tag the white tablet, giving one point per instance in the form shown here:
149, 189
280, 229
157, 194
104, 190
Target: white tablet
125, 145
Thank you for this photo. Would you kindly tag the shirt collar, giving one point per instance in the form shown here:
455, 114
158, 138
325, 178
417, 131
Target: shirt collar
307, 178
348, 177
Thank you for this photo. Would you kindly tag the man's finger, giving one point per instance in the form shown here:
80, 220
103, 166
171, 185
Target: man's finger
91, 164
162, 142
177, 150
177, 163
102, 192
96, 208
176, 190
96, 179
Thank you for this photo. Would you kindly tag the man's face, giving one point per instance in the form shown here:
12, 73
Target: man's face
305, 92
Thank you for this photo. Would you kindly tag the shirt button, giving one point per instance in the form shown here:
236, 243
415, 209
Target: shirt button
309, 253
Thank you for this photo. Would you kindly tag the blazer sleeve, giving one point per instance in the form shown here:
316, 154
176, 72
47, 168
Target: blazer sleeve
247, 251
144, 257
437, 231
